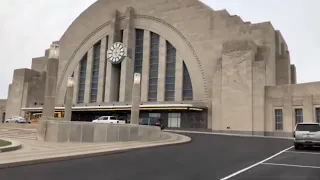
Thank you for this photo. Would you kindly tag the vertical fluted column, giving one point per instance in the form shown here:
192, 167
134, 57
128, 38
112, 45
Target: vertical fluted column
162, 69
136, 97
50, 88
145, 66
87, 90
111, 88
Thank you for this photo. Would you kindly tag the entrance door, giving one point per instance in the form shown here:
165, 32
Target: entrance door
174, 120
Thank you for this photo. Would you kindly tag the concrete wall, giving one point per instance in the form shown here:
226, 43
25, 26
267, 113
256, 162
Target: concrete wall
3, 103
293, 74
27, 88
289, 97
39, 64
63, 131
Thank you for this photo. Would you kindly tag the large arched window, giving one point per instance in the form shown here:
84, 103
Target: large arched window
95, 72
187, 92
153, 66
170, 72
82, 79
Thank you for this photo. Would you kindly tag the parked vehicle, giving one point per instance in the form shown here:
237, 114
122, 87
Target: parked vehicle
306, 134
109, 119
152, 122
35, 118
16, 119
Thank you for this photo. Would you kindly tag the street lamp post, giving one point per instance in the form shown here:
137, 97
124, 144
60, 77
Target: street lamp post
69, 100
136, 98
51, 82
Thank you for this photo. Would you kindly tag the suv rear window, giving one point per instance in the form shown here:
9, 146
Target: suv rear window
308, 127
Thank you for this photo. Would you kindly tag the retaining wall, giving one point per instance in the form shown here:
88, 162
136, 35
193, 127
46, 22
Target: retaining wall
66, 131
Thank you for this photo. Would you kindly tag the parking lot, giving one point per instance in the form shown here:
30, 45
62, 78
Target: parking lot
207, 157
287, 165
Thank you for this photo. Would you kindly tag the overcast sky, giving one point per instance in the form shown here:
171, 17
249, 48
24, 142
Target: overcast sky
29, 26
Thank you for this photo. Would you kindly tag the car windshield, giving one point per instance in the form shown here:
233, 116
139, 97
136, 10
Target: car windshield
308, 127
101, 118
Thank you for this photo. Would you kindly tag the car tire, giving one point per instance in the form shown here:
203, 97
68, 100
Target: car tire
297, 146
17, 122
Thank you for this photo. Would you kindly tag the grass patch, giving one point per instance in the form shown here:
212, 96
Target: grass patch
4, 143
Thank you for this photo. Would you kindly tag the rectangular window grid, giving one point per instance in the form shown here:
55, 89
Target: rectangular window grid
298, 115
317, 115
170, 72
153, 67
278, 119
95, 72
187, 92
82, 79
138, 51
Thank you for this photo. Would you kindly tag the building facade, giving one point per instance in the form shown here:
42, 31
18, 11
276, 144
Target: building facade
201, 68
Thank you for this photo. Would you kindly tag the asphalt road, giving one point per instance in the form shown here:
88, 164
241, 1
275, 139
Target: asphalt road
206, 157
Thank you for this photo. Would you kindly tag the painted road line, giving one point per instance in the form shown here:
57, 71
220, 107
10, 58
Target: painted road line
254, 165
291, 165
303, 152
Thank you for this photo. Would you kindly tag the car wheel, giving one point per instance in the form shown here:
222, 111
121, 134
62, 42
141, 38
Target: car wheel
17, 122
297, 146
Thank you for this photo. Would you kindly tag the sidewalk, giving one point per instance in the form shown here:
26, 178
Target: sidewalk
34, 151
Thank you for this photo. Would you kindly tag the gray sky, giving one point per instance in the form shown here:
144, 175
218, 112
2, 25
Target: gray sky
27, 29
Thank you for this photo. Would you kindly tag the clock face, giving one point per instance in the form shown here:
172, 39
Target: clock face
116, 53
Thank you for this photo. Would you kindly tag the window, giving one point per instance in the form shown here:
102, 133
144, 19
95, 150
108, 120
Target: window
113, 118
187, 92
317, 115
170, 72
174, 120
138, 51
308, 127
82, 79
298, 115
278, 119
153, 67
95, 72
121, 35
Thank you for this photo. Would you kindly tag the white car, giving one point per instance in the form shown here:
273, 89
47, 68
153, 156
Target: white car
109, 119
306, 134
16, 119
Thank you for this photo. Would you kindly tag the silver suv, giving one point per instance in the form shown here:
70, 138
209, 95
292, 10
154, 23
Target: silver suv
306, 134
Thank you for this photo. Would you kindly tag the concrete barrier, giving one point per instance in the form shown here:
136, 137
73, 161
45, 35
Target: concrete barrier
18, 126
66, 131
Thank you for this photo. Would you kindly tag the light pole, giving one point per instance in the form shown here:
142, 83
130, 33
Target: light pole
136, 98
69, 100
51, 82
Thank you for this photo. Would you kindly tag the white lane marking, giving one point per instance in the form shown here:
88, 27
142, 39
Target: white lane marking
303, 152
291, 165
254, 165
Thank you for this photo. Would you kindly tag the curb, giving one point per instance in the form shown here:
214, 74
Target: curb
12, 147
181, 139
227, 134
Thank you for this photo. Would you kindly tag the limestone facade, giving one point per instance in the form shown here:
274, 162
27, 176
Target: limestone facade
240, 72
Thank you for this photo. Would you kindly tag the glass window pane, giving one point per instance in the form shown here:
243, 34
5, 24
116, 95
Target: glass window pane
169, 80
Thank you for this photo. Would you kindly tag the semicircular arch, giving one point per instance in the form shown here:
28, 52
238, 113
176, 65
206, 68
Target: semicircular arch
183, 47
87, 43
164, 29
